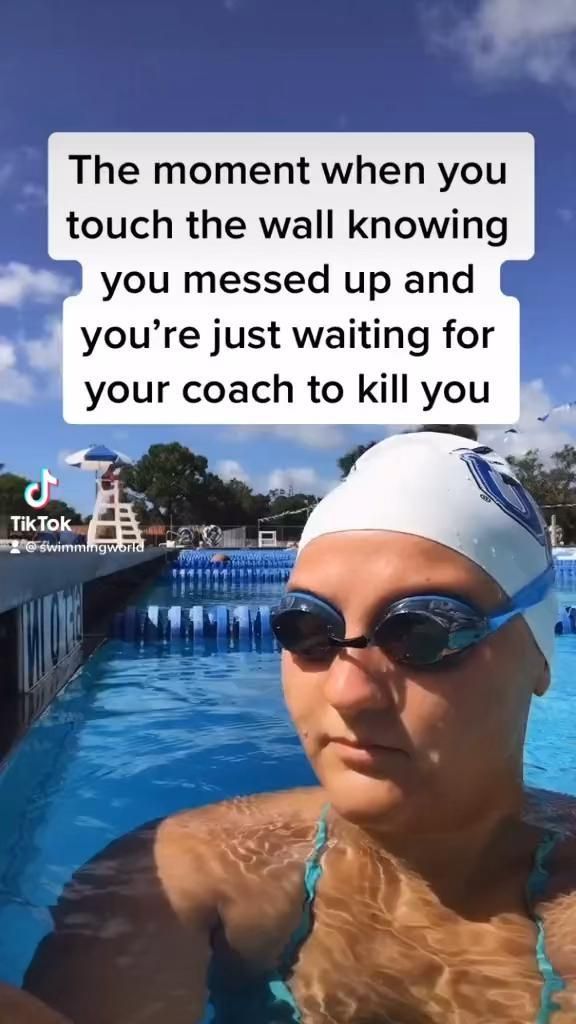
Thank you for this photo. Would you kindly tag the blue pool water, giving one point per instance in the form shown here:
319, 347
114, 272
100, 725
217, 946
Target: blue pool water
144, 732
189, 592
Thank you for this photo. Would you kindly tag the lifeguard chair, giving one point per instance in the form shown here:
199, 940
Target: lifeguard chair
114, 520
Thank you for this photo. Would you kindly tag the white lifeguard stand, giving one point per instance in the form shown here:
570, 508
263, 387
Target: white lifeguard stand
114, 519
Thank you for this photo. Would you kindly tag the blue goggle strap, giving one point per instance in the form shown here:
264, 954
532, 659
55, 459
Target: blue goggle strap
529, 596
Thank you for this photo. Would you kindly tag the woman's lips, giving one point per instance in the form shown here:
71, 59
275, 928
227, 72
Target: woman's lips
356, 752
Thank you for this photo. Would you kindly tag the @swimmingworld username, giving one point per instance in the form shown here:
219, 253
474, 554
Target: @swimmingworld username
32, 547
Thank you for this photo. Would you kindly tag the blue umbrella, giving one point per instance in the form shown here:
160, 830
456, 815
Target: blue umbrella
98, 457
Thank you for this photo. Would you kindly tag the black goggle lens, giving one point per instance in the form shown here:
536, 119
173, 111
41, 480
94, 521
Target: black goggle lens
303, 632
412, 637
409, 637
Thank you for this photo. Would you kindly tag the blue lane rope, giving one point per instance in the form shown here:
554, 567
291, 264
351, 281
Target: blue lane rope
242, 626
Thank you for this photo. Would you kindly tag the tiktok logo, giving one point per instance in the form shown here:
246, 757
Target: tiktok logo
37, 495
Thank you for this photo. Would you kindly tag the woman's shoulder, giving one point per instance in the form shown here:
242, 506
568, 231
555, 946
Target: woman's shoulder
17, 1007
284, 811
237, 852
216, 848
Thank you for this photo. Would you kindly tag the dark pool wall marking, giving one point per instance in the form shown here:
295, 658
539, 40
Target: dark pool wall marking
50, 628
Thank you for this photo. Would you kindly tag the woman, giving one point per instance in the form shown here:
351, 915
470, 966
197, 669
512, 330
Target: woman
417, 884
17, 1007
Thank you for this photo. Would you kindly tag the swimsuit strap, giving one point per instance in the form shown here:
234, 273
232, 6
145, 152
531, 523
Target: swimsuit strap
277, 985
312, 875
274, 1000
535, 890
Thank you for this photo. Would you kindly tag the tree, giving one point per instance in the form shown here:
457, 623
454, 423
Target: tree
282, 502
532, 474
347, 461
243, 507
172, 484
12, 489
171, 478
259, 508
56, 508
554, 487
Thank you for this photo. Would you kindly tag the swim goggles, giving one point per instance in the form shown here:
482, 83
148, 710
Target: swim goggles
421, 631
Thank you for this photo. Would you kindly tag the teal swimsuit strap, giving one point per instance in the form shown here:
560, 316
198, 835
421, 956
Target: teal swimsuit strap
535, 890
312, 874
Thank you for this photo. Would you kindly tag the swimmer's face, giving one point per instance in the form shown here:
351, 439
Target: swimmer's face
452, 736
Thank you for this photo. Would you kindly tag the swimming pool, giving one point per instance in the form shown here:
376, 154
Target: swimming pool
146, 731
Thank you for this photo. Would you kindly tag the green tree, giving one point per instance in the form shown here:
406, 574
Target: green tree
281, 502
171, 478
57, 508
260, 508
12, 489
347, 461
172, 484
243, 507
215, 502
553, 486
532, 474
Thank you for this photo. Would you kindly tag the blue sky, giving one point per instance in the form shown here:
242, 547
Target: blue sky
258, 65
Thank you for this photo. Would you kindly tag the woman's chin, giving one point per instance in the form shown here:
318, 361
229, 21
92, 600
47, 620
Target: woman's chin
362, 798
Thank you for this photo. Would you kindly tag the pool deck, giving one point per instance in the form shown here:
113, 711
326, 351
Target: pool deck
27, 576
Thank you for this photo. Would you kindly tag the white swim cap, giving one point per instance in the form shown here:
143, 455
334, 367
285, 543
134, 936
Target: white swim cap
453, 491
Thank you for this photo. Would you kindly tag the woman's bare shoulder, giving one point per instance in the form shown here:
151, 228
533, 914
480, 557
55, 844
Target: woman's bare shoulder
284, 811
206, 852
18, 1007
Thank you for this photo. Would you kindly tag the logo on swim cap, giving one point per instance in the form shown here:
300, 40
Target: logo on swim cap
503, 489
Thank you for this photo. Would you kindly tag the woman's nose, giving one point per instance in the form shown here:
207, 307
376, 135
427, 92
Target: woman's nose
359, 679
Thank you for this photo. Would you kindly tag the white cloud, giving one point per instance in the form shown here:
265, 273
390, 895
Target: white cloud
7, 168
30, 367
21, 283
7, 355
510, 38
312, 436
32, 196
567, 370
44, 354
61, 458
303, 479
19, 184
566, 215
15, 387
228, 469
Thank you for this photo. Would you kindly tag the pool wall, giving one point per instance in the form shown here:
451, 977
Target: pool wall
54, 609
